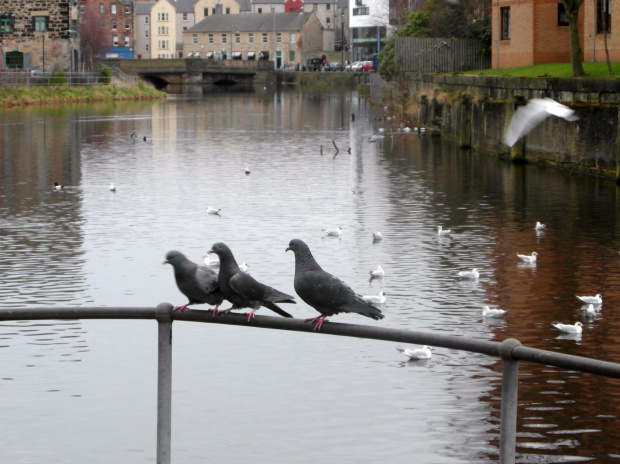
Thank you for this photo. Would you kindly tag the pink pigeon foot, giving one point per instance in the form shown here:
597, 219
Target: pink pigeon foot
250, 315
215, 311
180, 308
319, 322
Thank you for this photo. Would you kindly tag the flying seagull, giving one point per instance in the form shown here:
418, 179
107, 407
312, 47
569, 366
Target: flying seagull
197, 283
416, 353
243, 290
529, 116
324, 292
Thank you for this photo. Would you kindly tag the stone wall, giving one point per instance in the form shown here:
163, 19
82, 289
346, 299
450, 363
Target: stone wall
476, 110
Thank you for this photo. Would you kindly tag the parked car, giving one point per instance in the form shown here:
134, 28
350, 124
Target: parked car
366, 66
335, 66
354, 66
314, 64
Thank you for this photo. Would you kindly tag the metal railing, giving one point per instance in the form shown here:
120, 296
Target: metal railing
38, 78
510, 351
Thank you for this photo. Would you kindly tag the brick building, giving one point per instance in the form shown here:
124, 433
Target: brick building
38, 35
116, 16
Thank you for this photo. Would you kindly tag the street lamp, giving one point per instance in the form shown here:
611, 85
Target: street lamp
342, 37
232, 34
275, 63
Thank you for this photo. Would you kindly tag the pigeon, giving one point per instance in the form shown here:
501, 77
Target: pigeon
377, 236
243, 267
247, 171
529, 259
473, 274
529, 116
416, 353
377, 273
243, 290
112, 188
443, 233
597, 300
211, 210
488, 312
333, 232
210, 261
57, 186
567, 328
540, 226
197, 283
375, 299
324, 292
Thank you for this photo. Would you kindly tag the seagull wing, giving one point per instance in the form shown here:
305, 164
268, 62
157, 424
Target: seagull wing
524, 120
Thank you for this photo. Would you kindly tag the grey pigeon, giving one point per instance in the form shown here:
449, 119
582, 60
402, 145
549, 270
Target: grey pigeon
197, 283
243, 290
324, 292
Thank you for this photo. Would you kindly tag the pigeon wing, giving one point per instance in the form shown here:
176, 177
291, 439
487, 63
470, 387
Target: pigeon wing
206, 279
248, 287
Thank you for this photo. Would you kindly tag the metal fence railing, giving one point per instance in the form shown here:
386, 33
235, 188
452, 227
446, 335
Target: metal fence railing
38, 78
510, 351
432, 55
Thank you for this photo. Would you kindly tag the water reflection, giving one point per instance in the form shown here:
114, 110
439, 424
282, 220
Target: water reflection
87, 245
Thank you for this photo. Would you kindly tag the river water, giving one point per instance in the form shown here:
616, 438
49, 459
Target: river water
85, 391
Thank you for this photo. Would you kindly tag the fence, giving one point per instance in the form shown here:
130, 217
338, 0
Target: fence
38, 78
510, 351
439, 55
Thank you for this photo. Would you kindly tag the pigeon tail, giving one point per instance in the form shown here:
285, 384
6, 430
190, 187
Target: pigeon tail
276, 309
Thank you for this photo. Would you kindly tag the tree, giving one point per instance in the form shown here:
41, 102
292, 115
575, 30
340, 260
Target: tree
94, 37
572, 11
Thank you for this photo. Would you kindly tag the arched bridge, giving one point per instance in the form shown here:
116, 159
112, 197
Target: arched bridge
175, 75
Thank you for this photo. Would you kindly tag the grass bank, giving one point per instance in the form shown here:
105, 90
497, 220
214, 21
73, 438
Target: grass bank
593, 70
25, 96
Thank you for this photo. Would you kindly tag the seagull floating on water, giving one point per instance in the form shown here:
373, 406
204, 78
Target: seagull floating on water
443, 233
379, 272
112, 188
416, 353
337, 232
568, 328
244, 267
597, 299
530, 259
473, 274
57, 186
540, 226
375, 299
529, 116
212, 262
211, 210
377, 236
488, 312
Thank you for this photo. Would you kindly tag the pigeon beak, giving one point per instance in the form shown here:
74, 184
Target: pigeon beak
287, 248
166, 262
209, 252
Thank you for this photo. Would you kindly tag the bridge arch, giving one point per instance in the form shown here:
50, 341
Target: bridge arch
159, 82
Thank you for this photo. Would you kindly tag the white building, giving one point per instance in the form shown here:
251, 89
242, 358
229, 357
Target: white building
368, 27
142, 29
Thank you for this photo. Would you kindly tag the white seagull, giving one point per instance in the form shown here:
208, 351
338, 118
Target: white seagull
57, 186
333, 232
244, 267
211, 210
375, 299
377, 236
488, 312
211, 261
473, 274
416, 353
540, 226
597, 300
530, 259
377, 272
112, 188
529, 116
567, 328
443, 233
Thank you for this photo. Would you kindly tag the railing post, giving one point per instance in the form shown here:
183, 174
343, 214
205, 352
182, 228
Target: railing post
164, 382
510, 388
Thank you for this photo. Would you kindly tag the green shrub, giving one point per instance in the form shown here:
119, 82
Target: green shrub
58, 77
106, 72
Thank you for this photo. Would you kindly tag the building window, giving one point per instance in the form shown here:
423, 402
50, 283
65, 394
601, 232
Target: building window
237, 37
146, 47
194, 38
162, 44
101, 8
6, 24
562, 16
40, 23
212, 10
114, 24
115, 41
260, 10
361, 11
505, 12
127, 26
315, 7
278, 37
328, 6
251, 37
227, 10
291, 55
162, 16
328, 21
603, 16
264, 37
184, 16
292, 38
223, 38
146, 33
210, 38
206, 12
113, 8
126, 41
127, 10
146, 20
184, 28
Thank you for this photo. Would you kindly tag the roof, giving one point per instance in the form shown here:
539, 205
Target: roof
319, 2
183, 6
244, 5
142, 8
251, 22
267, 2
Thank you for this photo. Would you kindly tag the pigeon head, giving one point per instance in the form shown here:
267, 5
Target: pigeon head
302, 253
175, 258
221, 249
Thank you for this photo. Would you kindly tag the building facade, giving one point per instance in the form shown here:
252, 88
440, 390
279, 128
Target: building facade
142, 29
368, 27
116, 17
169, 20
